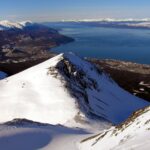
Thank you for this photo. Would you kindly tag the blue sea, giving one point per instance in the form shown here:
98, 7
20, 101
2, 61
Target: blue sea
106, 42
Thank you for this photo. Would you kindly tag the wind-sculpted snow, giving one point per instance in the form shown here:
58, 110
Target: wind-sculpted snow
21, 134
133, 134
65, 90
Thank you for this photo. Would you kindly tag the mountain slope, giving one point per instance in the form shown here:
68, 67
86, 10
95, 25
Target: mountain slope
65, 90
132, 134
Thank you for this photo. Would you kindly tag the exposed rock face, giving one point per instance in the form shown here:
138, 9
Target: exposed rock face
75, 80
23, 122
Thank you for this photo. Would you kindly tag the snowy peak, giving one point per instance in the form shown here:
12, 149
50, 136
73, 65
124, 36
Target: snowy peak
8, 24
95, 89
26, 23
76, 76
5, 24
65, 89
133, 133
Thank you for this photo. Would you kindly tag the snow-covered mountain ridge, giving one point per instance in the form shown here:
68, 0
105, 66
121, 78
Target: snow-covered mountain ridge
65, 90
109, 20
5, 24
134, 133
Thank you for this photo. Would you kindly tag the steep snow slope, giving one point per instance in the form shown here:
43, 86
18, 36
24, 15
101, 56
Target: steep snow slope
132, 134
5, 24
65, 90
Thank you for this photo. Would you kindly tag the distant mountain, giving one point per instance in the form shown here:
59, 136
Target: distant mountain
108, 22
134, 134
26, 41
65, 90
6, 25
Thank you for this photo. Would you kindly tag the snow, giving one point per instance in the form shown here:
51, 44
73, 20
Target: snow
24, 134
32, 137
109, 101
109, 20
26, 23
38, 95
140, 24
5, 24
142, 89
129, 22
133, 135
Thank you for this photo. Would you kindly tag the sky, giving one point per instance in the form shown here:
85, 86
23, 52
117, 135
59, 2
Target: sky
55, 10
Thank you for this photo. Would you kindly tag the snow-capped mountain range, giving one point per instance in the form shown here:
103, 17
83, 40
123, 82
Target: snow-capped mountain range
133, 23
5, 24
65, 89
110, 22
